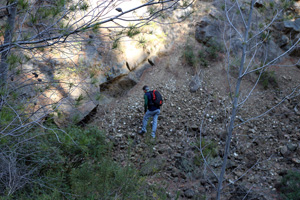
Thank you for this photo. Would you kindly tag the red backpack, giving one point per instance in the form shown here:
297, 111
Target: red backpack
156, 98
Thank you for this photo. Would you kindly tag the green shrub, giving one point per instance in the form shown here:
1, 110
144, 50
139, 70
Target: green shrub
268, 78
116, 43
189, 56
133, 31
209, 149
202, 58
290, 186
77, 166
106, 180
213, 49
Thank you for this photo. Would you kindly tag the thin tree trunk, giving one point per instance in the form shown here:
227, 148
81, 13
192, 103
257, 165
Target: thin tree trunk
234, 106
8, 35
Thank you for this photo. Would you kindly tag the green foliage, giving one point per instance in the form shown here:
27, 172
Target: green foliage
202, 58
213, 49
80, 166
61, 3
152, 9
262, 9
95, 28
185, 3
73, 8
209, 150
189, 56
9, 113
99, 97
268, 78
23, 4
101, 180
142, 42
80, 142
290, 186
78, 100
94, 81
84, 6
13, 60
116, 43
211, 52
223, 7
286, 4
133, 31
6, 115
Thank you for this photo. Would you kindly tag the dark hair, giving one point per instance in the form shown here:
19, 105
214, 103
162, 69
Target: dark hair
145, 87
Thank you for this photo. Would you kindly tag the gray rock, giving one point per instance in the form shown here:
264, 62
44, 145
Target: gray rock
279, 26
273, 50
294, 25
140, 69
292, 147
152, 166
207, 30
296, 51
259, 4
189, 193
195, 83
296, 160
284, 151
284, 40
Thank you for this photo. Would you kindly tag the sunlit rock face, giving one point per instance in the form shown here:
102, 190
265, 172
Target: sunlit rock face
297, 7
98, 68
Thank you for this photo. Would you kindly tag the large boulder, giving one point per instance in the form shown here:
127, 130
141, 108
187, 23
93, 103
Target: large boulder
293, 25
293, 29
206, 30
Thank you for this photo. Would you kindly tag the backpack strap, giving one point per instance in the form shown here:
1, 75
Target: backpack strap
154, 97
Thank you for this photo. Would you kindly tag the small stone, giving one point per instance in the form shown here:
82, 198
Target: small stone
284, 151
296, 160
292, 147
189, 193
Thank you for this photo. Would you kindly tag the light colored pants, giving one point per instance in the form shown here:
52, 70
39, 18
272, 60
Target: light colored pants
149, 114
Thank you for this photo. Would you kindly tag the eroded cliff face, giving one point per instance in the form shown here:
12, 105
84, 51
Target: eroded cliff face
72, 80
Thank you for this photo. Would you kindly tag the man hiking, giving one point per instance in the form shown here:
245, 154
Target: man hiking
152, 109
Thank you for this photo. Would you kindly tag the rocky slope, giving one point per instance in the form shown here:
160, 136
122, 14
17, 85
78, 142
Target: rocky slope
197, 108
263, 147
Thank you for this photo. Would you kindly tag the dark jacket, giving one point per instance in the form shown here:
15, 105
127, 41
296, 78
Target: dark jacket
149, 102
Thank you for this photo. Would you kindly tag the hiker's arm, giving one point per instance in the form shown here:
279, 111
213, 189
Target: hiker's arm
146, 102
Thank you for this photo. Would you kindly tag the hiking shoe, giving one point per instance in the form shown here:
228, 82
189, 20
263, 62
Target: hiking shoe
141, 132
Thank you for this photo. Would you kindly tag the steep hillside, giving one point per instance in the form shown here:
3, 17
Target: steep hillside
196, 111
263, 147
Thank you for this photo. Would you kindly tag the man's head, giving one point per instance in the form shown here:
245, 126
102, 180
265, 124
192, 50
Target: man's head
146, 88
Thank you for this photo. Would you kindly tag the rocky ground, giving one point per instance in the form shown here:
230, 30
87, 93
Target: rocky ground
261, 149
197, 108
